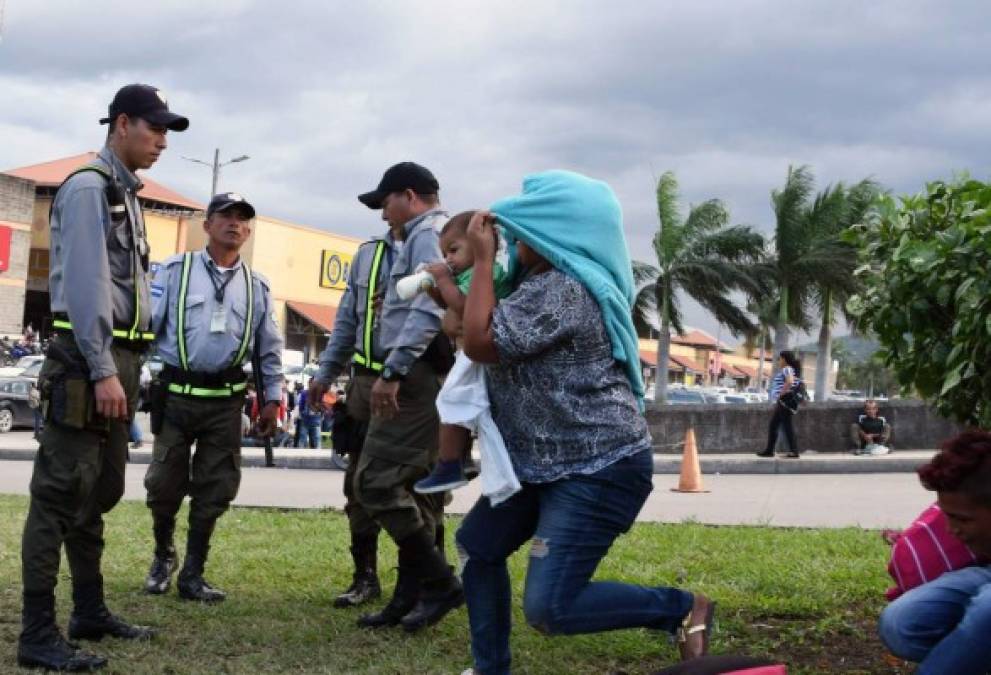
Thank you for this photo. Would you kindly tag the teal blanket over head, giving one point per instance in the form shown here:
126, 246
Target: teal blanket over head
576, 223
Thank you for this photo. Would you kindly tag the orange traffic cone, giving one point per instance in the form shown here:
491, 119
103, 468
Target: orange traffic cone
691, 472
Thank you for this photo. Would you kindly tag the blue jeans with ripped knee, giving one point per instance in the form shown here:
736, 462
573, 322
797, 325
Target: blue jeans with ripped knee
572, 523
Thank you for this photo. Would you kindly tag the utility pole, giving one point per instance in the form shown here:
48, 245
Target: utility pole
215, 167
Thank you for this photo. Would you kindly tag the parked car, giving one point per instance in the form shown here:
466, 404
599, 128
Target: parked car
21, 365
14, 409
686, 397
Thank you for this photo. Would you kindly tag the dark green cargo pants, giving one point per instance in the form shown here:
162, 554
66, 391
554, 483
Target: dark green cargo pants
359, 408
211, 475
78, 473
399, 452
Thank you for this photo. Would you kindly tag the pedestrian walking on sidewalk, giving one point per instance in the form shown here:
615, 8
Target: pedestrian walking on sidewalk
212, 313
786, 397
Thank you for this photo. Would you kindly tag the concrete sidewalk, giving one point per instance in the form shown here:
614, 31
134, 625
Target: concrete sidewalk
859, 500
20, 446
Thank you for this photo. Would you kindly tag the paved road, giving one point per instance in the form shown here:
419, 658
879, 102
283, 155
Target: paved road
866, 500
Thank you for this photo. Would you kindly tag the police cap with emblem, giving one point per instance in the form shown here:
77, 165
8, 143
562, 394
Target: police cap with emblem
146, 102
227, 200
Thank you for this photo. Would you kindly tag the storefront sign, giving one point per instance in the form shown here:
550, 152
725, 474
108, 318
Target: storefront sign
4, 248
335, 267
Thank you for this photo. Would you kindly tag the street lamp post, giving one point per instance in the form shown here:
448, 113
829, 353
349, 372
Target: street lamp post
215, 167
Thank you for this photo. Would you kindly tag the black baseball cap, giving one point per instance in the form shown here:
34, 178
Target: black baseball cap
402, 176
146, 102
226, 200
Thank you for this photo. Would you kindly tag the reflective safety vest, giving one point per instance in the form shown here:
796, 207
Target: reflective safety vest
227, 389
364, 356
117, 211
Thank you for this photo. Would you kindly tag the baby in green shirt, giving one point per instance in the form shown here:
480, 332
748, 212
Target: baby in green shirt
452, 279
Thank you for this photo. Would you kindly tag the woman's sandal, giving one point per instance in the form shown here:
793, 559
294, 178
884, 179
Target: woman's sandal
690, 628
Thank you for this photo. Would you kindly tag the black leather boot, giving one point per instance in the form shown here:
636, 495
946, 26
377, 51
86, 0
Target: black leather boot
440, 590
191, 584
163, 565
403, 599
41, 645
91, 620
365, 583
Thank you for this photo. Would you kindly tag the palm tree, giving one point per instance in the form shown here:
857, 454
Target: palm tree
702, 256
835, 210
765, 310
793, 265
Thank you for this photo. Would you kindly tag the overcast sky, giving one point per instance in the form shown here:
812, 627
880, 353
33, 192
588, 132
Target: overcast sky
325, 95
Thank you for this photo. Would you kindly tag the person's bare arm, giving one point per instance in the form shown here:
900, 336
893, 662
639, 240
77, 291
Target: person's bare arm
450, 295
479, 343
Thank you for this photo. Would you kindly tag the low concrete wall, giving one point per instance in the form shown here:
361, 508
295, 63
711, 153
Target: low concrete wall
823, 427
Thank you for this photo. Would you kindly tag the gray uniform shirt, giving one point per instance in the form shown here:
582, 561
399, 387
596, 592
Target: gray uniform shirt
94, 267
408, 326
209, 351
349, 324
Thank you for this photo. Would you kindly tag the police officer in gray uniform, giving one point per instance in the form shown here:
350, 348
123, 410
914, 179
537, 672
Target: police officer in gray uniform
211, 314
401, 444
89, 381
354, 344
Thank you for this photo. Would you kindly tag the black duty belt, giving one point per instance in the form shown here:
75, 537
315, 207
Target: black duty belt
220, 384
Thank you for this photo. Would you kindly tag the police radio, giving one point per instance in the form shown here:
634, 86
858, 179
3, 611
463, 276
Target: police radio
116, 200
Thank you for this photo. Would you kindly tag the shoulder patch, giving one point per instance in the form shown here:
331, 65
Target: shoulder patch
157, 290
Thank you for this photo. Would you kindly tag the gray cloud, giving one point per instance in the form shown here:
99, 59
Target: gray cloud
324, 96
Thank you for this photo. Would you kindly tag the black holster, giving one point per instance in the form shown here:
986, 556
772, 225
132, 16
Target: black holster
67, 397
158, 394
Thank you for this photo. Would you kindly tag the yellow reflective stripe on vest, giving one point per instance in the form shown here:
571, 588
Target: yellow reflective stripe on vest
181, 319
249, 320
190, 390
362, 361
364, 357
136, 336
187, 264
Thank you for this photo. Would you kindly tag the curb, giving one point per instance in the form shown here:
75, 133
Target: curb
811, 463
779, 465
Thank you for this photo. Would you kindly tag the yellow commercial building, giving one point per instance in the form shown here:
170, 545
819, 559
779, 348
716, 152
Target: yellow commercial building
307, 267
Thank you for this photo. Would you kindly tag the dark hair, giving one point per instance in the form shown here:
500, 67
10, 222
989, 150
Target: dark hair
429, 198
963, 464
792, 361
457, 224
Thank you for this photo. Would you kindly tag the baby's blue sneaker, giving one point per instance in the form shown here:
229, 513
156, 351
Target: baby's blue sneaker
445, 476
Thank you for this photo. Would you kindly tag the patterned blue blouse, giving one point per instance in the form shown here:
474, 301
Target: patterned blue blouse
561, 401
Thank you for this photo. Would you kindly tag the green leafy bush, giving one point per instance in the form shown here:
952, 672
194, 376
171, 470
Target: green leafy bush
926, 269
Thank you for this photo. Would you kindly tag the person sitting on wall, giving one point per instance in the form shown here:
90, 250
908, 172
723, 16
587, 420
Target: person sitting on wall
871, 432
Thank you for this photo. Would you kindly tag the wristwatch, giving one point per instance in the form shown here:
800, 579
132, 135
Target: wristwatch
389, 374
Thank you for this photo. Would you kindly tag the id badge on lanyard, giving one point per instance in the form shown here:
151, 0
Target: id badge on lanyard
218, 319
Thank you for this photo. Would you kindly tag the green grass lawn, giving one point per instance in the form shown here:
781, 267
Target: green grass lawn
809, 597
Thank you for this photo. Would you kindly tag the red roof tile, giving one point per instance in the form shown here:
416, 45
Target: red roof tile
683, 362
695, 338
51, 174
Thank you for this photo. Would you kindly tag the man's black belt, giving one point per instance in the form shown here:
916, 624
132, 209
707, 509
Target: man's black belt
195, 378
